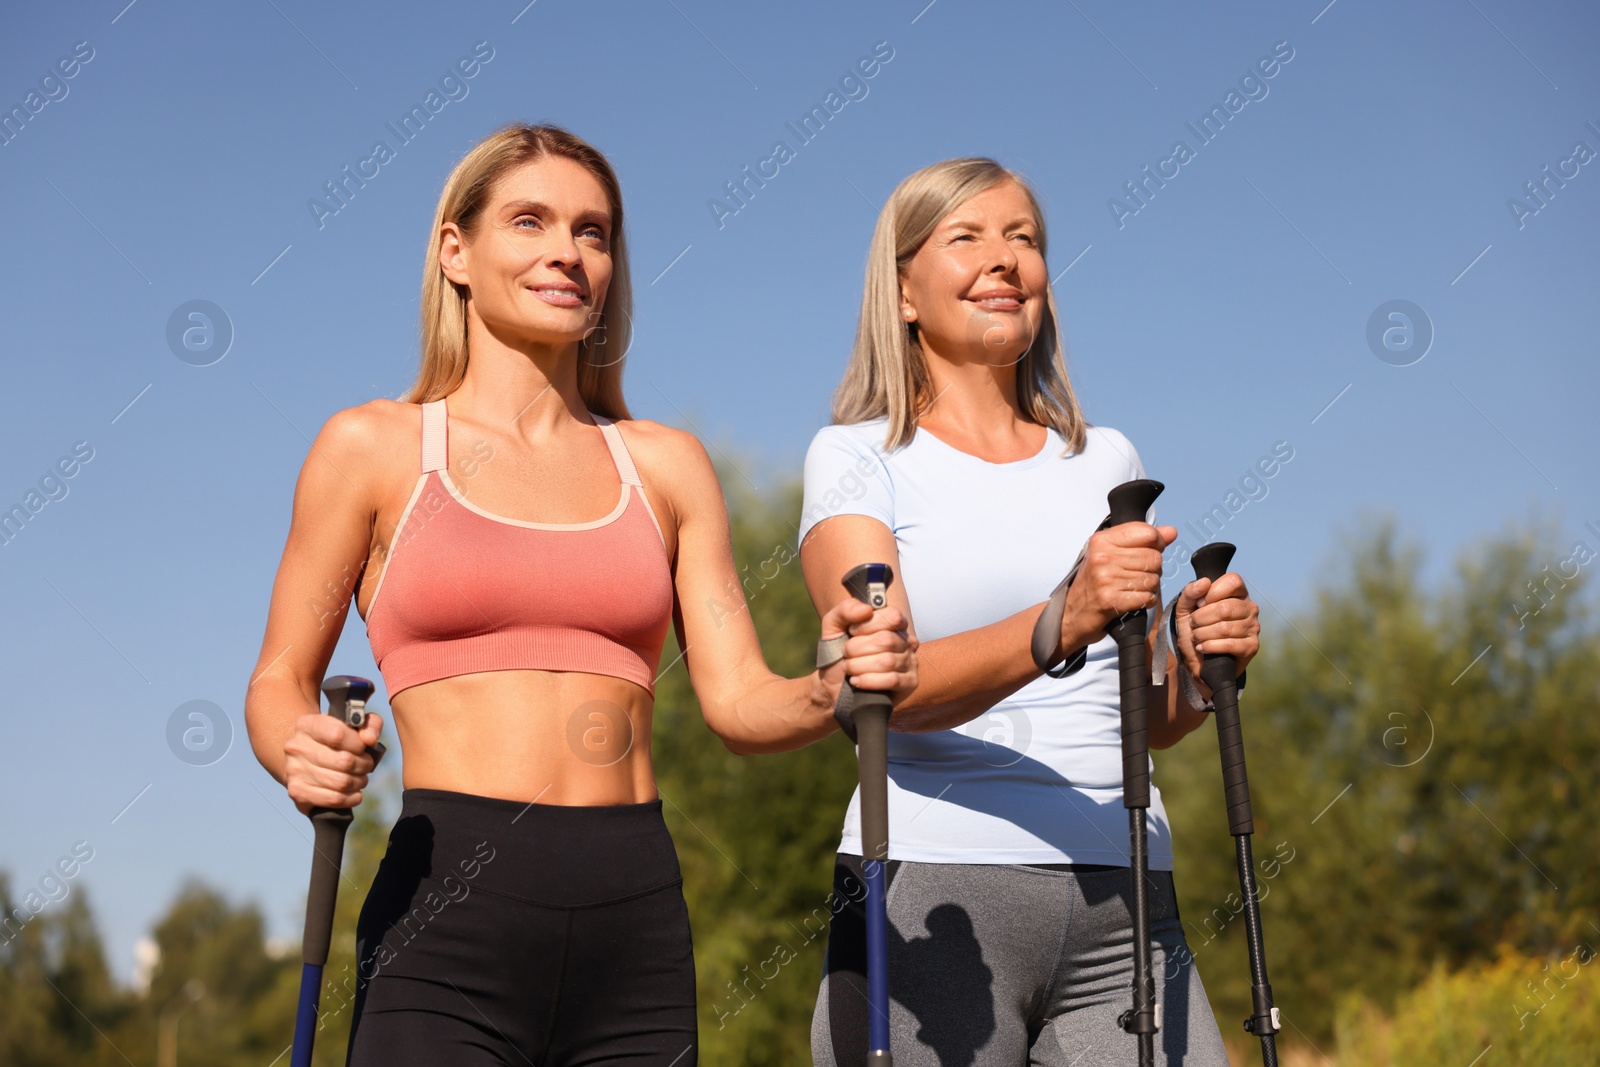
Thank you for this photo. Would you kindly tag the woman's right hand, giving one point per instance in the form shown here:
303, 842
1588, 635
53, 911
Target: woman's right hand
327, 762
1121, 572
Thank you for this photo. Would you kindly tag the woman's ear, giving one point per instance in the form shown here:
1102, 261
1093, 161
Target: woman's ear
453, 254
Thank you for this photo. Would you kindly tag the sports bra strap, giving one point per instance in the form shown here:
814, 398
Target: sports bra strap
619, 451
435, 437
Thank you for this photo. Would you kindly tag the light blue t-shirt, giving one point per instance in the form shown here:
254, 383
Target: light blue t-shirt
1038, 777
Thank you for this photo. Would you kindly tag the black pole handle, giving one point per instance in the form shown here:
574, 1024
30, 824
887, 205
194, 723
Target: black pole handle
1130, 502
347, 700
329, 826
869, 583
1220, 671
869, 710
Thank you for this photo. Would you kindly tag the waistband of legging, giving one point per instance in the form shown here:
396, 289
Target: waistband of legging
555, 855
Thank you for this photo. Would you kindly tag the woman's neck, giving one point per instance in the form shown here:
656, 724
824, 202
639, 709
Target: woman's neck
528, 391
973, 399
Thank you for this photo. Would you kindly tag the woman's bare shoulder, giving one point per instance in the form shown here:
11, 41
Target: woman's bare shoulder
372, 443
653, 445
669, 459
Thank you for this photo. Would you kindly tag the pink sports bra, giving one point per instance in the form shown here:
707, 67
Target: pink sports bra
468, 591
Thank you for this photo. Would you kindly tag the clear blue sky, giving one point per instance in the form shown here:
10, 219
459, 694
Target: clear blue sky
1226, 314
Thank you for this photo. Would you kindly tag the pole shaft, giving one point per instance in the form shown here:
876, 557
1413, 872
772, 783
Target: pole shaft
305, 1020
327, 856
871, 713
1261, 1022
1144, 985
1134, 677
877, 974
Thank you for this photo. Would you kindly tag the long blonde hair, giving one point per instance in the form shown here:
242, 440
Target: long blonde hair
888, 374
444, 304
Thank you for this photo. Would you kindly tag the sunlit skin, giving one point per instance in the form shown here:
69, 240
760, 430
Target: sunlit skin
975, 292
506, 733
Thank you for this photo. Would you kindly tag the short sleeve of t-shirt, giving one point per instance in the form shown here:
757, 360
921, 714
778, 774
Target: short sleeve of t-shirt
845, 475
1119, 441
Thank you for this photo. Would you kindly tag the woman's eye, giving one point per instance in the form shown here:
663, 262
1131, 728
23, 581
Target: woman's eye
524, 218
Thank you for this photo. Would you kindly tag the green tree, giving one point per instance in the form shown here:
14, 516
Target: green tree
228, 1000
220, 948
1422, 755
59, 999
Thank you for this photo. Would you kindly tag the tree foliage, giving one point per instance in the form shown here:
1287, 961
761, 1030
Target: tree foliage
229, 1000
1424, 754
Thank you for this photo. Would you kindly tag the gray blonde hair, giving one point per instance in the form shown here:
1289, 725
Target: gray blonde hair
888, 375
444, 304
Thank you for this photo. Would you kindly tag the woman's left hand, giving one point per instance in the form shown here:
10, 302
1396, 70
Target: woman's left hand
1217, 617
880, 654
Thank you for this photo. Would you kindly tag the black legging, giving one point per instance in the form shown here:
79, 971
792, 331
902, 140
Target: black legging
498, 932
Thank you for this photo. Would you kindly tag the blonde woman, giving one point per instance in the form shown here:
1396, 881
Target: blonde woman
959, 455
519, 547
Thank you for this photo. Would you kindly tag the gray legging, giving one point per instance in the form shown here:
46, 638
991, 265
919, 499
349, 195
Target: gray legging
1003, 965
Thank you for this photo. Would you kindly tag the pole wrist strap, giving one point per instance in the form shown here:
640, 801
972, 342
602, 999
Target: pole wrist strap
830, 651
1047, 629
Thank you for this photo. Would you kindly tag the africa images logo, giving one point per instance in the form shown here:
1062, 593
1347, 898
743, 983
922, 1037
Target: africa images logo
452, 87
1252, 86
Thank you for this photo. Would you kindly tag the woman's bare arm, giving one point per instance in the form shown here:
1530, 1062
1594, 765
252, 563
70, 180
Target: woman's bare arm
329, 535
960, 676
750, 708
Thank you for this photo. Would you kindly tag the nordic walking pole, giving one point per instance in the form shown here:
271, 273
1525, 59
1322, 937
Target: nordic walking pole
347, 699
869, 709
1218, 671
1130, 502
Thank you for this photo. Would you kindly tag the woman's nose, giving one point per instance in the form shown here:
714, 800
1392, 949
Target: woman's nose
562, 250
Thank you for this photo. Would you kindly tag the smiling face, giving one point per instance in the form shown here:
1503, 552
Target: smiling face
539, 262
976, 287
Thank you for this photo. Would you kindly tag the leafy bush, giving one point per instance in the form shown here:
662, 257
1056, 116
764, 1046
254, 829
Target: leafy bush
1544, 1011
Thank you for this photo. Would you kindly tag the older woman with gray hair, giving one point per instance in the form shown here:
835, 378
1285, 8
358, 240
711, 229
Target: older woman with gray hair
976, 476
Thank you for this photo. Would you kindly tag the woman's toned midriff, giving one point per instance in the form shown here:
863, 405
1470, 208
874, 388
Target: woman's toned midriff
552, 737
